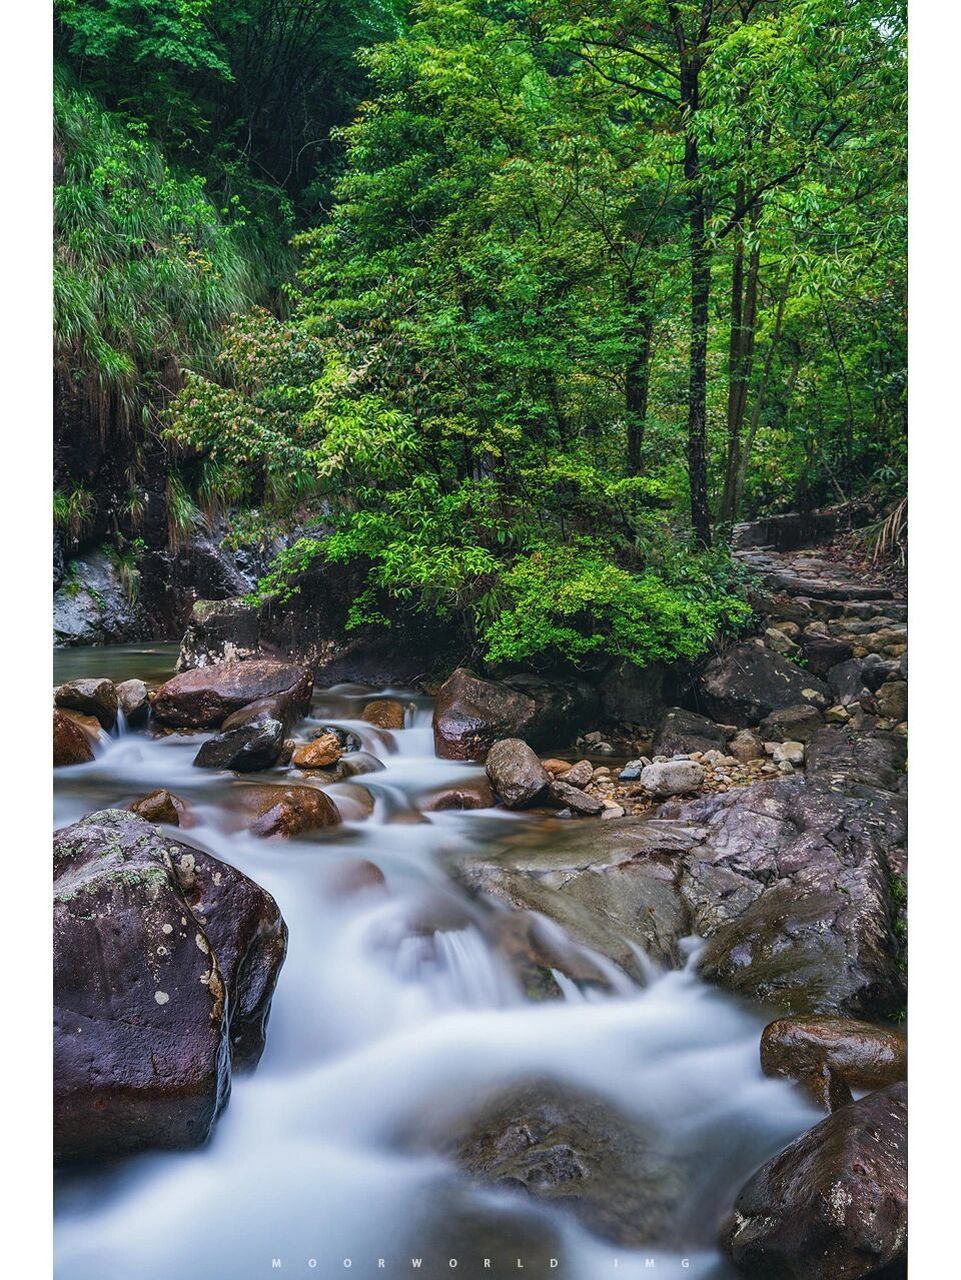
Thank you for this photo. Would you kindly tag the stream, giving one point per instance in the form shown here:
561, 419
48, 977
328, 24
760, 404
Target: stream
381, 1032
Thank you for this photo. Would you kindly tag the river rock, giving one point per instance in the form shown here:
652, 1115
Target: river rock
290, 811
319, 753
821, 652
466, 795
246, 749
263, 709
811, 1050
563, 706
385, 713
471, 714
515, 773
748, 682
91, 698
134, 702
847, 681
160, 806
745, 746
576, 1153
204, 697
791, 753
70, 745
684, 732
578, 775
219, 631
188, 951
672, 777
564, 796
833, 1203
791, 724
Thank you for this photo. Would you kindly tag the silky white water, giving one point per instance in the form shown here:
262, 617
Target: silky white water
383, 1030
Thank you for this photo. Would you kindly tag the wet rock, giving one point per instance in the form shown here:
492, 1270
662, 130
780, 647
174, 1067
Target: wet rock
515, 773
134, 703
348, 741
91, 698
745, 746
858, 1054
556, 767
471, 714
563, 706
219, 631
89, 726
578, 1154
204, 697
246, 749
683, 732
794, 724
467, 795
385, 713
672, 777
160, 806
290, 811
92, 605
846, 758
821, 653
748, 682
319, 753
355, 875
263, 709
70, 745
578, 775
833, 1203
564, 796
188, 954
357, 763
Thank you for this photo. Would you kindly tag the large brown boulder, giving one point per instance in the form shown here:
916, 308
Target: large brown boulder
70, 745
747, 682
204, 697
91, 698
817, 1052
471, 714
384, 713
290, 811
187, 955
834, 1203
515, 773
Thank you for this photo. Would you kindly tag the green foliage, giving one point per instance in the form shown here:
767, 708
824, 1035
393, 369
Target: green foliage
73, 512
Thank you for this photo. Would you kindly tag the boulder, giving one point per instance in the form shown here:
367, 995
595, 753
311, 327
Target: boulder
70, 745
564, 706
471, 714
813, 1050
633, 695
515, 773
748, 682
246, 749
468, 795
134, 703
891, 701
672, 777
565, 796
96, 698
847, 680
833, 1203
204, 697
219, 631
683, 732
160, 806
263, 709
845, 758
188, 951
290, 811
791, 724
779, 641
319, 753
385, 713
578, 775
791, 753
93, 606
745, 746
821, 652
576, 1153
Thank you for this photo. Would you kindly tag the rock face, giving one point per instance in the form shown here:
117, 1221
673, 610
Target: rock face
91, 605
471, 714
70, 745
188, 951
672, 777
247, 748
632, 694
515, 773
748, 682
578, 1154
91, 698
202, 698
219, 631
684, 731
833, 1203
814, 1050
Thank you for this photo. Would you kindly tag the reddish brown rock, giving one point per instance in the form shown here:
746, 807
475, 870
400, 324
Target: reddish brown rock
204, 697
318, 754
818, 1051
160, 806
70, 745
385, 713
469, 795
91, 698
290, 811
471, 714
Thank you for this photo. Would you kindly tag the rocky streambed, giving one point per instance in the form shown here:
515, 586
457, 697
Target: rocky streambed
352, 977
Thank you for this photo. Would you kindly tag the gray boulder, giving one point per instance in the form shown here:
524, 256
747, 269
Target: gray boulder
748, 682
93, 697
515, 773
794, 724
683, 732
248, 748
672, 777
219, 631
93, 606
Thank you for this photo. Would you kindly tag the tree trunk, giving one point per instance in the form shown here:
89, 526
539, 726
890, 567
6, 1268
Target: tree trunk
700, 302
637, 376
745, 452
744, 290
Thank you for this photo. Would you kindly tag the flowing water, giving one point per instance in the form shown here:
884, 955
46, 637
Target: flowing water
383, 1031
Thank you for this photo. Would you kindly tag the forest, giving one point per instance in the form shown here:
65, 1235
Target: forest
515, 307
